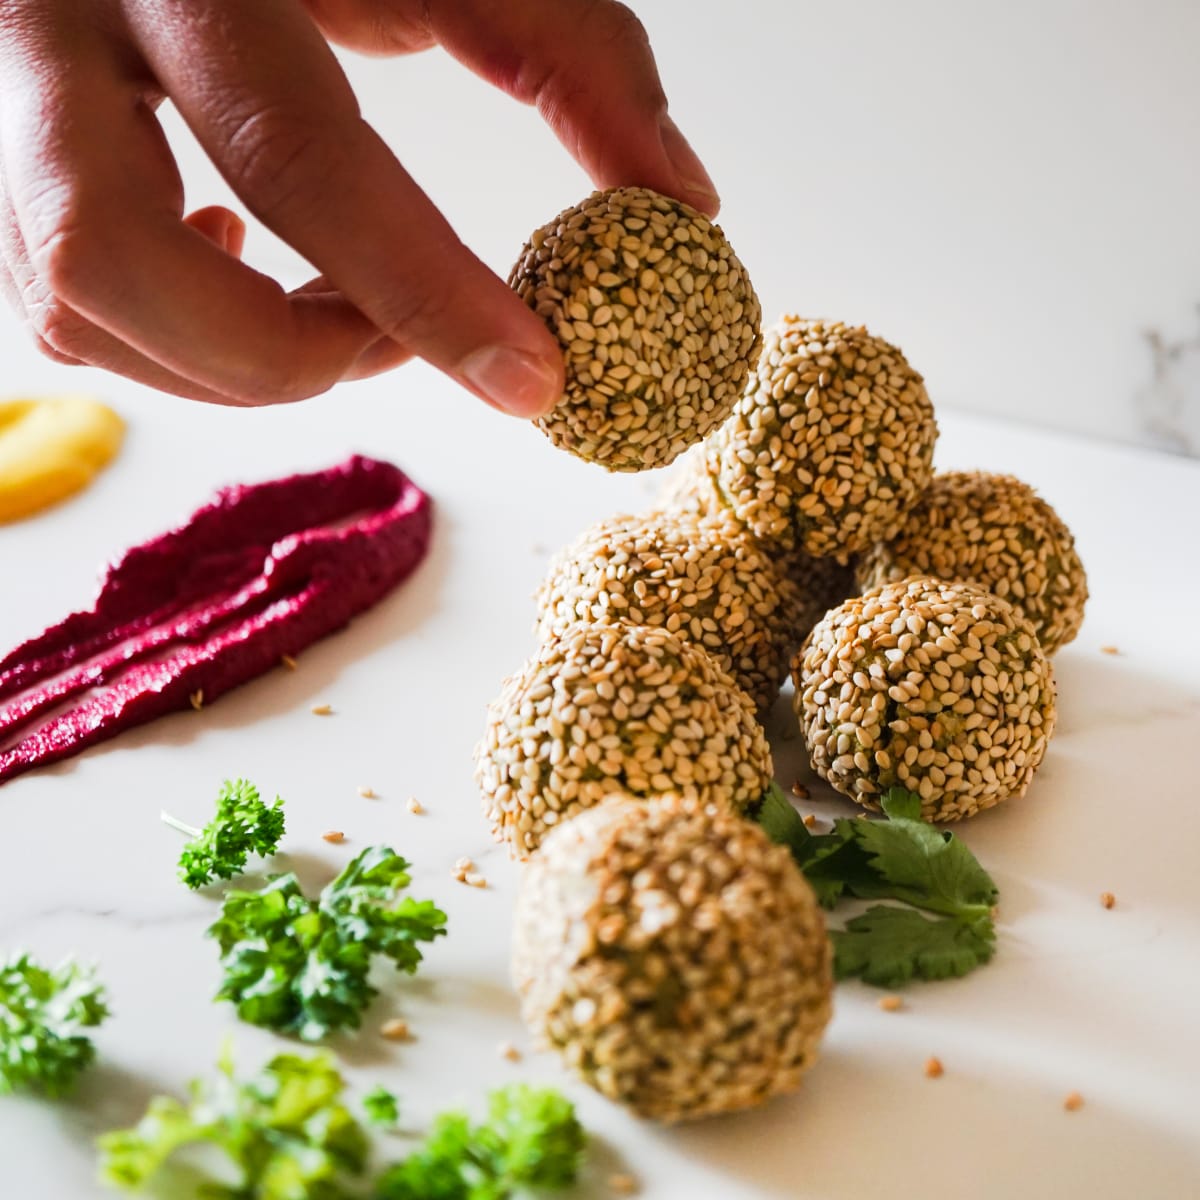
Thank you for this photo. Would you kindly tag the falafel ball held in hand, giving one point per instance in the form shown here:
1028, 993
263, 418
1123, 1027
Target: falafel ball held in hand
102, 262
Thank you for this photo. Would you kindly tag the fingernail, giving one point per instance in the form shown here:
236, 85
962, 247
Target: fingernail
513, 381
688, 166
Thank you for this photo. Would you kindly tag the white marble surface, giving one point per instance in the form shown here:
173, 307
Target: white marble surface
1078, 998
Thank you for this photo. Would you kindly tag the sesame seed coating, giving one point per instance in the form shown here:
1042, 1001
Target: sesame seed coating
821, 583
995, 531
608, 708
675, 958
940, 688
658, 322
700, 578
832, 442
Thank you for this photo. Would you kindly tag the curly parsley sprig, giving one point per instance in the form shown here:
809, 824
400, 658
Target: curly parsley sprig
243, 824
899, 858
299, 965
42, 1015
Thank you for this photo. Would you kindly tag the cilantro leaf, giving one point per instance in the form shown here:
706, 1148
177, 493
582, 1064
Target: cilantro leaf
888, 946
286, 1131
42, 1013
243, 823
532, 1140
921, 865
381, 1106
901, 858
299, 965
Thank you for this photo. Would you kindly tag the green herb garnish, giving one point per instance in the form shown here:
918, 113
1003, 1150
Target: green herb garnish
289, 1136
899, 858
531, 1140
299, 965
381, 1106
244, 823
42, 1013
287, 1133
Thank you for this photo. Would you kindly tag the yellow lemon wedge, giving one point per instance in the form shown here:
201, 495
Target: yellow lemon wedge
52, 448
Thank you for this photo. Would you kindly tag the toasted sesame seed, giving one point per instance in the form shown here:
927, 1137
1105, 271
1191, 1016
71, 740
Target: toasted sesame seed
1107, 899
366, 793
934, 1068
463, 864
799, 790
196, 699
623, 1185
891, 1003
508, 1051
1073, 1102
395, 1030
322, 710
474, 879
414, 805
335, 836
1109, 650
809, 820
288, 661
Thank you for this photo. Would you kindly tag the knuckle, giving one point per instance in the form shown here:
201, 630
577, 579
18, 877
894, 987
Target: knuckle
61, 332
622, 27
66, 257
409, 314
276, 160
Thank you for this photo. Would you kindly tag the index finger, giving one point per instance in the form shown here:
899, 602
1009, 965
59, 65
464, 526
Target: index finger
264, 95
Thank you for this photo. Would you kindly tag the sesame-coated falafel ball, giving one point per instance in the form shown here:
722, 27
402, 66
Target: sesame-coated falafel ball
675, 958
995, 531
607, 708
700, 578
821, 583
832, 442
940, 688
658, 322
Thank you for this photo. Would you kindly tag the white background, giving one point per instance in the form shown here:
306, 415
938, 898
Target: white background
1009, 191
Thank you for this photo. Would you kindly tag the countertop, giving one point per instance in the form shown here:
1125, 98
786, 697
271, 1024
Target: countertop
1078, 998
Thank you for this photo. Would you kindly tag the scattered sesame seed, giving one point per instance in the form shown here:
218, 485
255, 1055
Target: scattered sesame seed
366, 793
475, 880
809, 820
463, 864
891, 1003
196, 699
1073, 1102
395, 1030
288, 661
623, 1185
1107, 899
799, 790
1109, 650
322, 710
334, 835
934, 1068
508, 1051
414, 805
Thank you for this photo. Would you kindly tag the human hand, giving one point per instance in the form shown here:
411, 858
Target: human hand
107, 270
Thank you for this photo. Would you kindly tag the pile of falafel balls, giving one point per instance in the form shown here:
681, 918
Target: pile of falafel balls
672, 954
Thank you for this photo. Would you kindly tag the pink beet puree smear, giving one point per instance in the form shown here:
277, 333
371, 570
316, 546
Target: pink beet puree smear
262, 571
